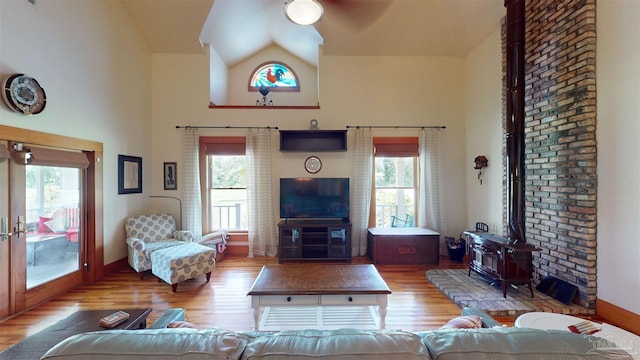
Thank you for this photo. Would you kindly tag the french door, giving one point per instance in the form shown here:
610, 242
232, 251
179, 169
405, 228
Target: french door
44, 227
5, 237
49, 203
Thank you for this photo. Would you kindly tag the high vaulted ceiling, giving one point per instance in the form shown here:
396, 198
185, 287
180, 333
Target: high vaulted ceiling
237, 29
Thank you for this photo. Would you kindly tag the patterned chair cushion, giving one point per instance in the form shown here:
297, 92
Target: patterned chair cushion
150, 228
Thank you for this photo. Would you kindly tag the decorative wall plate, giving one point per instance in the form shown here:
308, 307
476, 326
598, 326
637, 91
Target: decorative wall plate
23, 94
313, 164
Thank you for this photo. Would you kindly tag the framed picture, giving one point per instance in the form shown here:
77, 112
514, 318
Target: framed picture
129, 174
170, 176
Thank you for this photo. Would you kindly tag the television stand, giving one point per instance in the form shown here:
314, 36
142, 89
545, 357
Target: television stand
315, 239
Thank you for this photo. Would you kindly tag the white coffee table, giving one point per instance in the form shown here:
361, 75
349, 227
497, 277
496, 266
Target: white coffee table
305, 295
623, 339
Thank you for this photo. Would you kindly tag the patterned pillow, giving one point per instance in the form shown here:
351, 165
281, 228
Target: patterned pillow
464, 322
42, 227
56, 225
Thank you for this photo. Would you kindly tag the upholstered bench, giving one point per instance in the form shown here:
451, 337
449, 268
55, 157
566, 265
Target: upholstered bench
182, 262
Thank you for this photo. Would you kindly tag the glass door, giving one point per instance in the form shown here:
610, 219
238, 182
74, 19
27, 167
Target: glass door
52, 200
45, 250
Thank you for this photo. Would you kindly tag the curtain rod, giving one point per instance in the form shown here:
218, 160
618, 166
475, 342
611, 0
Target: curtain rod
396, 127
226, 127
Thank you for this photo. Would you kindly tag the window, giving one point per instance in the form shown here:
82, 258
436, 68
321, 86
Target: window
226, 190
395, 180
274, 75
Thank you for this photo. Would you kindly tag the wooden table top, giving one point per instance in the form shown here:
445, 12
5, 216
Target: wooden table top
318, 279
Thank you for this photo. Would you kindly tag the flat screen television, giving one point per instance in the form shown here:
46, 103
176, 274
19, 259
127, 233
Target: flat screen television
314, 198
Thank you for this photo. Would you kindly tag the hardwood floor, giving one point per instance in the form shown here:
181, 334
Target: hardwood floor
415, 303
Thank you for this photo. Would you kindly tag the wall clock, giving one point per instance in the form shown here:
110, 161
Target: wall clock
313, 164
23, 94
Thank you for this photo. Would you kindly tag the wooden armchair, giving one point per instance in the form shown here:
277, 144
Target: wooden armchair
406, 222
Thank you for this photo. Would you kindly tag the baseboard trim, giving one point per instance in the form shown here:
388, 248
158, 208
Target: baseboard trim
116, 266
618, 316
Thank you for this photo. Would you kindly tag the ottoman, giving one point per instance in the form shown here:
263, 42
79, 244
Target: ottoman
182, 262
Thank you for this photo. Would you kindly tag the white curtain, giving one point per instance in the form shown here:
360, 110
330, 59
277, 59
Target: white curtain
191, 200
262, 229
361, 190
431, 211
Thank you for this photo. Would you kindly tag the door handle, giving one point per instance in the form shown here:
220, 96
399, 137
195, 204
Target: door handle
4, 229
19, 229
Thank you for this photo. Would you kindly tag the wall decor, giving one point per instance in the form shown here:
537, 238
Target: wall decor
23, 94
313, 164
129, 174
170, 176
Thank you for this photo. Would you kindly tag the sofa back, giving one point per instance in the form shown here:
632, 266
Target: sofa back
193, 344
150, 227
343, 344
507, 343
156, 344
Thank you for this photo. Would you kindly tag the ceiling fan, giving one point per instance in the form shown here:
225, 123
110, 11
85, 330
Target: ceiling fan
355, 14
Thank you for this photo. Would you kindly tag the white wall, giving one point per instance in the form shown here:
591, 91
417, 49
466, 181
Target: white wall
218, 78
94, 67
484, 133
355, 91
618, 75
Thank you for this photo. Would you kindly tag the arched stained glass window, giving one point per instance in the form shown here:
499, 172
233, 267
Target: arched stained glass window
276, 76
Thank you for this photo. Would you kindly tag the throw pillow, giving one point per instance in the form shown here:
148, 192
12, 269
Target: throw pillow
56, 225
42, 227
181, 324
464, 322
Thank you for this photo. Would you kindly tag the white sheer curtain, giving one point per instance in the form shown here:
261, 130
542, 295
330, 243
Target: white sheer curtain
431, 211
191, 200
262, 228
361, 190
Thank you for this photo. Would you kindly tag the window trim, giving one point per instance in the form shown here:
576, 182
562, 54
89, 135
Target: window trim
401, 146
215, 145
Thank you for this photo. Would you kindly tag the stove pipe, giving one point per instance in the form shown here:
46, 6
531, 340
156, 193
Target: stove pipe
515, 49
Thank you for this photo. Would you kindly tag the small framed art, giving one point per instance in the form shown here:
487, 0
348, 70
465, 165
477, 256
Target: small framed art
129, 174
170, 176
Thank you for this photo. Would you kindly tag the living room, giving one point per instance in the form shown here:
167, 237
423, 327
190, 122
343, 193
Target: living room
105, 84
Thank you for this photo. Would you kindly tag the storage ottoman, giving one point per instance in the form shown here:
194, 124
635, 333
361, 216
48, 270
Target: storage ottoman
182, 262
403, 246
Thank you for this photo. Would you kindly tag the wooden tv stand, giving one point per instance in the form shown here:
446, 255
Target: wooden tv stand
314, 240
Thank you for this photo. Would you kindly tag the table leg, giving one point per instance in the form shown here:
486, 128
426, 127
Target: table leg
382, 309
255, 304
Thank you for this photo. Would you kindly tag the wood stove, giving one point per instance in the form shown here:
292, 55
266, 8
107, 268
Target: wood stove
508, 260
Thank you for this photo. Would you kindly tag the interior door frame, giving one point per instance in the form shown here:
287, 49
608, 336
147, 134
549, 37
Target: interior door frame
94, 268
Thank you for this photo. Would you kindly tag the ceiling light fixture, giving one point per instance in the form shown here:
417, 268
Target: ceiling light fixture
303, 12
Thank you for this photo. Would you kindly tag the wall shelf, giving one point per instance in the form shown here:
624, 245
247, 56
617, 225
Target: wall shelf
313, 140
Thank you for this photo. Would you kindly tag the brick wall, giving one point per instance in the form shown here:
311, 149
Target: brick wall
560, 136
